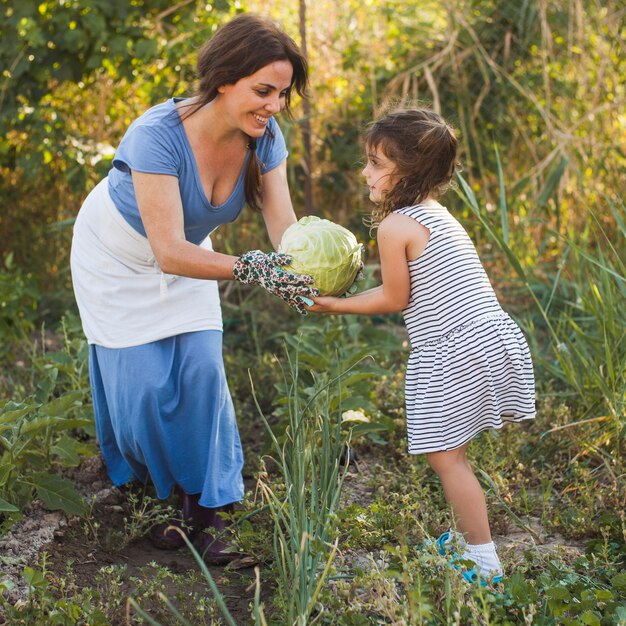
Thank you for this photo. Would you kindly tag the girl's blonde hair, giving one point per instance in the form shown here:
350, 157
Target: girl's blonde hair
423, 148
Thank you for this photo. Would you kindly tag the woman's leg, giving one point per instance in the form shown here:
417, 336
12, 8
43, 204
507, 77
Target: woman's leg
463, 493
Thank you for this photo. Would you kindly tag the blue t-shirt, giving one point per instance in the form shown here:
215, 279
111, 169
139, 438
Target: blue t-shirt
156, 143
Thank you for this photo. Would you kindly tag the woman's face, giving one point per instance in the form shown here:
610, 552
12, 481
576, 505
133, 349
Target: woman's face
251, 101
379, 174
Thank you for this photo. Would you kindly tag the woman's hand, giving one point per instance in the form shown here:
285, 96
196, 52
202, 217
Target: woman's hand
257, 268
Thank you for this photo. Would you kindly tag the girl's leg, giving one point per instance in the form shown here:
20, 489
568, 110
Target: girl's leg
463, 493
469, 508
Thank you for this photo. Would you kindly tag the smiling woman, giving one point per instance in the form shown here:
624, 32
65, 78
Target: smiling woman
144, 271
256, 98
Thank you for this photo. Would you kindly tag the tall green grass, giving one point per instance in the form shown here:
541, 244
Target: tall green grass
579, 328
303, 500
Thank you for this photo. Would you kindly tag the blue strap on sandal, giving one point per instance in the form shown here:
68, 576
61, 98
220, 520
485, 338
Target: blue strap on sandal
471, 576
441, 545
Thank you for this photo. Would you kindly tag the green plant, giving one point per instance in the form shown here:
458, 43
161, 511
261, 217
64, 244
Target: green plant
48, 603
55, 599
353, 349
219, 599
34, 440
142, 512
38, 433
19, 297
304, 504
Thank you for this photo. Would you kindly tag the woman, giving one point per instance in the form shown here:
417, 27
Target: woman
144, 271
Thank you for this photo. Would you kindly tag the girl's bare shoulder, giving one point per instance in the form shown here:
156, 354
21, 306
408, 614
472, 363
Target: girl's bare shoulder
402, 226
403, 231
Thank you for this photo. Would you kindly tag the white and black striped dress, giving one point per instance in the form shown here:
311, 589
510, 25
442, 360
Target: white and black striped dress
470, 367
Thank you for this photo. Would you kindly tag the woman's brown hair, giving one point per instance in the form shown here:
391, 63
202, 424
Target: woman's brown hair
238, 49
423, 148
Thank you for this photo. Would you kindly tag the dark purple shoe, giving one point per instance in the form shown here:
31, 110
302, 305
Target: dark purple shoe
172, 540
216, 551
197, 516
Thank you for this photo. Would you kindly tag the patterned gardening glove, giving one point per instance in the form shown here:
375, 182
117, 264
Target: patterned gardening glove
257, 268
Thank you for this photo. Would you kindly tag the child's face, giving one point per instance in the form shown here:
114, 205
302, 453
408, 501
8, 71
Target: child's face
379, 174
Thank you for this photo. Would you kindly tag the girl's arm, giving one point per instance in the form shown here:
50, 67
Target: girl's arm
399, 238
161, 210
278, 212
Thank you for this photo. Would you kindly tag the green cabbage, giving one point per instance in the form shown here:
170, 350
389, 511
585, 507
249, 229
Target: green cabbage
325, 250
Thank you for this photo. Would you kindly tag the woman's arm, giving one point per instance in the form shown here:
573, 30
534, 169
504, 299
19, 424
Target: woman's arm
278, 212
161, 210
397, 234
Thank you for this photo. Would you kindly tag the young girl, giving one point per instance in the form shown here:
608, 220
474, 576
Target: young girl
469, 368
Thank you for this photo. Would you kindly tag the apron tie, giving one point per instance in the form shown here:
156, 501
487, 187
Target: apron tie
163, 282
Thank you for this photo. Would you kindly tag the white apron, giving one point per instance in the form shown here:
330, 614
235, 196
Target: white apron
123, 297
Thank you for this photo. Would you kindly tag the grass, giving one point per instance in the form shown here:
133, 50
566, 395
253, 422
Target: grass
304, 497
337, 546
370, 567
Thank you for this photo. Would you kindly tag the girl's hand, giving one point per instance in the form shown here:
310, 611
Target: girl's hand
323, 304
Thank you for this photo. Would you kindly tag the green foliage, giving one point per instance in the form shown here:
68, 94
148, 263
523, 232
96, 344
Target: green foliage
589, 337
309, 462
415, 585
38, 434
171, 610
52, 41
19, 298
62, 57
354, 351
579, 310
53, 600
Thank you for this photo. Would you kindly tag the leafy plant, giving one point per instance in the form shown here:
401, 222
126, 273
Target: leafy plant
37, 435
354, 350
303, 509
19, 298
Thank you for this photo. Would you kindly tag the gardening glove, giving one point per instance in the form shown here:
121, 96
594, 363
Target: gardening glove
257, 268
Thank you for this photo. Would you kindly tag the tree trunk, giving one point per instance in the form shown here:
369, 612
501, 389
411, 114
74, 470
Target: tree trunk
306, 124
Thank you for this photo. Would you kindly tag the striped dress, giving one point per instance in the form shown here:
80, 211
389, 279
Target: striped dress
469, 368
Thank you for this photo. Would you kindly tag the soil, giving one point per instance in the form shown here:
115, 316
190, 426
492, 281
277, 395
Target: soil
87, 561
70, 545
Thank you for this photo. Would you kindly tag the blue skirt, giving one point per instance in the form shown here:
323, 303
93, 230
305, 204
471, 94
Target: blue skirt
164, 412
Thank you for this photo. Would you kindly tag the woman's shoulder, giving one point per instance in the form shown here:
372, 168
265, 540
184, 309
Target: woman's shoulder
159, 125
154, 132
271, 147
